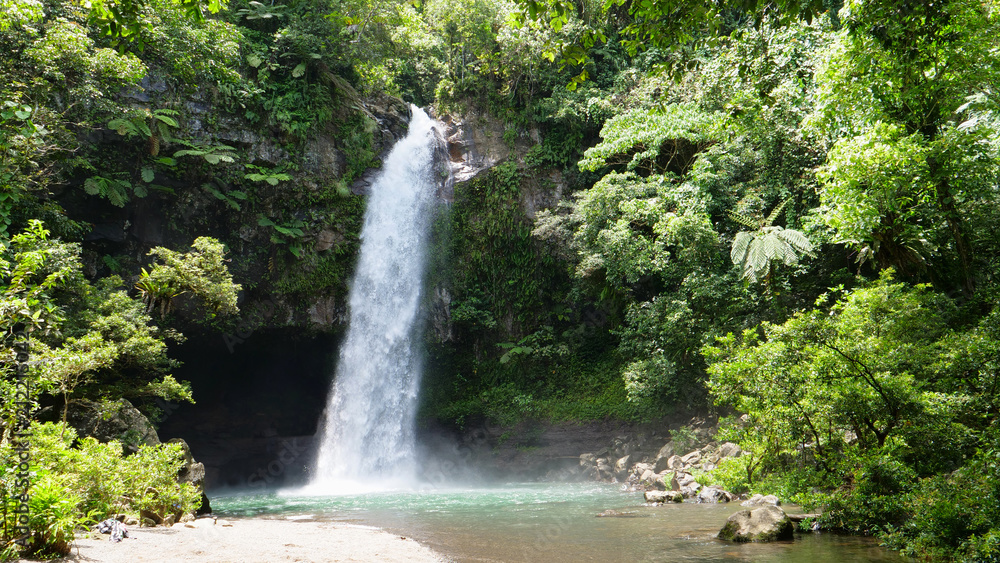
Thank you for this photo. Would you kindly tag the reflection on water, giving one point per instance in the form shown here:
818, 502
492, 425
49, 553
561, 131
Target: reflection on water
552, 523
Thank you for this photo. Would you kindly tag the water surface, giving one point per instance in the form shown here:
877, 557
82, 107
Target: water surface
552, 523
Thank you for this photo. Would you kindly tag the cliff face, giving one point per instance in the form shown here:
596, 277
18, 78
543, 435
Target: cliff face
291, 238
261, 379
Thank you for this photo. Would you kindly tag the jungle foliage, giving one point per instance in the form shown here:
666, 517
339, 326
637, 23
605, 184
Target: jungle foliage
784, 211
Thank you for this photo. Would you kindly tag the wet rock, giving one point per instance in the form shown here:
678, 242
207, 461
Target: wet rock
660, 497
327, 239
622, 468
323, 312
768, 523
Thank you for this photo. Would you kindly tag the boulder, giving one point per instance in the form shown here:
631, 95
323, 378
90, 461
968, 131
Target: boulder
713, 494
622, 466
764, 524
660, 497
587, 460
666, 451
691, 458
605, 468
153, 517
112, 420
662, 464
193, 472
640, 468
762, 500
661, 481
729, 449
685, 483
674, 462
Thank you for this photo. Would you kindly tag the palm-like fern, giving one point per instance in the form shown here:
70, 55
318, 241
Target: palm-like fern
756, 251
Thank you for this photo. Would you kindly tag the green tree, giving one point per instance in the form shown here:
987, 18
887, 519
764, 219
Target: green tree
201, 272
830, 386
893, 98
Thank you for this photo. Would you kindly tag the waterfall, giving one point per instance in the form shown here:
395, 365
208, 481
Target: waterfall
367, 434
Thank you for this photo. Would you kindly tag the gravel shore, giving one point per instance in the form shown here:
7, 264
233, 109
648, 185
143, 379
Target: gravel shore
253, 540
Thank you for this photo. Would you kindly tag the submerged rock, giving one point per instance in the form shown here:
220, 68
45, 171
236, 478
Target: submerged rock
765, 524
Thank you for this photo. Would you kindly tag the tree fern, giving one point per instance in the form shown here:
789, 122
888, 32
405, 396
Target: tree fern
756, 251
112, 189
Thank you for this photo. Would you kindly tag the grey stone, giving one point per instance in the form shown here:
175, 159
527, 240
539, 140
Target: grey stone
729, 449
675, 462
662, 464
666, 451
762, 500
764, 524
116, 420
659, 497
713, 494
691, 458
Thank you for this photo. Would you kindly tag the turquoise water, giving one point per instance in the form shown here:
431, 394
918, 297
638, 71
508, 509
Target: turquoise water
551, 523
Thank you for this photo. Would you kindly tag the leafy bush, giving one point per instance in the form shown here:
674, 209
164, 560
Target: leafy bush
105, 483
77, 486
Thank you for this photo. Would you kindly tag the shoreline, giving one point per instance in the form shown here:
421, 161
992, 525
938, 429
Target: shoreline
252, 540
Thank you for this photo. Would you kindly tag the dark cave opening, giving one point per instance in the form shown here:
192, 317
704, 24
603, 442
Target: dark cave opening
258, 404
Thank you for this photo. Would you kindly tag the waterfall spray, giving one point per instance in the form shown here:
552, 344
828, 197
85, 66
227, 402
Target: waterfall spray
367, 434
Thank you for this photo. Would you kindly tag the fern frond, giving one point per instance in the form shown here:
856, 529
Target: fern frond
798, 241
776, 213
744, 220
740, 245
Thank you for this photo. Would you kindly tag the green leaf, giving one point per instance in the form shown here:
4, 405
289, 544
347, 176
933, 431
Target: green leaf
148, 174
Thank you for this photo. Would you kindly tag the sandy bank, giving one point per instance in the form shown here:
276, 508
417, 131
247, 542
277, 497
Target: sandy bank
254, 541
